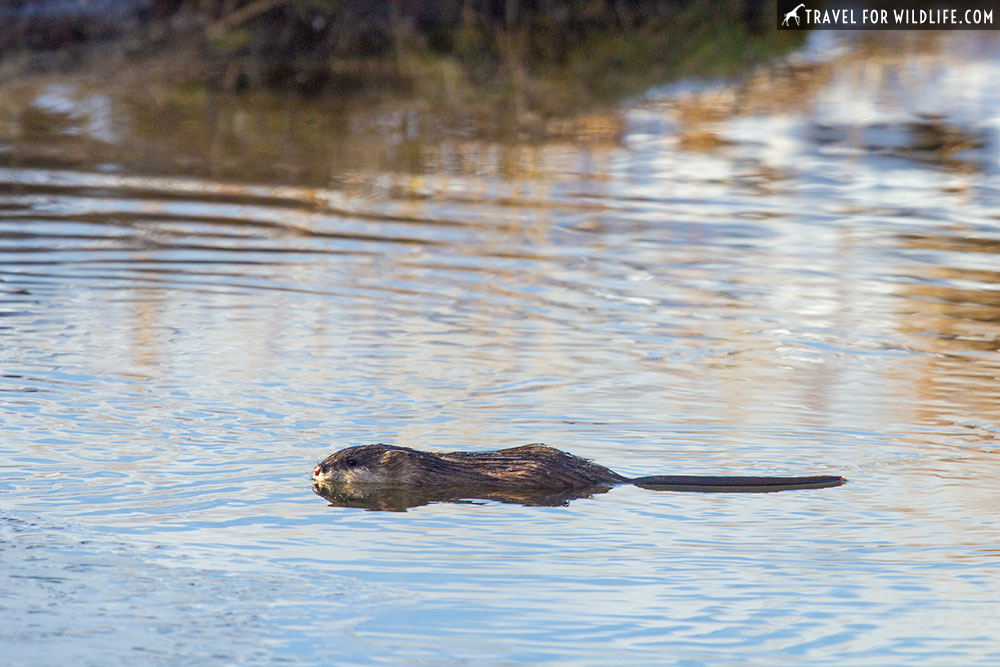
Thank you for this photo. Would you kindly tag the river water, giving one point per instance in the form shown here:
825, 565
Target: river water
794, 273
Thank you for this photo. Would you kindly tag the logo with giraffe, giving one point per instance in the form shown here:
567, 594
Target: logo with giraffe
794, 14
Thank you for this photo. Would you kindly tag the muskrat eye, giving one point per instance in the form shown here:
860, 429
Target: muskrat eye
351, 463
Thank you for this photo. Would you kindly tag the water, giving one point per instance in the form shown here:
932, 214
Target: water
796, 273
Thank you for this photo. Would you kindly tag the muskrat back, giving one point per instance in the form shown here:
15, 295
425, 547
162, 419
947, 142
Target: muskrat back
528, 467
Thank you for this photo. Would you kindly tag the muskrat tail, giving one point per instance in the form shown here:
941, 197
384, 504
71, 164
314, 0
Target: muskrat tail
735, 484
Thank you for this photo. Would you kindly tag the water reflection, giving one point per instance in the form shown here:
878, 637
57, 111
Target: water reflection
395, 498
199, 295
400, 499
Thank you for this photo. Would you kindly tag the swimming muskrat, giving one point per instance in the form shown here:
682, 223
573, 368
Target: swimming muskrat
531, 474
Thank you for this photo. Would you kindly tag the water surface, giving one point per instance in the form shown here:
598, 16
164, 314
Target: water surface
793, 273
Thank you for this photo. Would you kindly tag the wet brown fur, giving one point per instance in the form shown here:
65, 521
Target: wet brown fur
526, 467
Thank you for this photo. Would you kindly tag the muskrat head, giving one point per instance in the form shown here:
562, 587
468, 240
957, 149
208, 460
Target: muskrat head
369, 464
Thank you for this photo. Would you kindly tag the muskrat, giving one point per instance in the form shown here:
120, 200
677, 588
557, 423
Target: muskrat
530, 468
